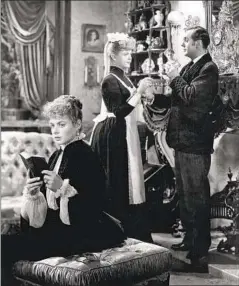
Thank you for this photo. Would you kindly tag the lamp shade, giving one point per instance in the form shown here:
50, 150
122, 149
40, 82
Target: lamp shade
175, 18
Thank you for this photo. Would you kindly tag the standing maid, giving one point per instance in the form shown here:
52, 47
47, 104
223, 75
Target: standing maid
115, 137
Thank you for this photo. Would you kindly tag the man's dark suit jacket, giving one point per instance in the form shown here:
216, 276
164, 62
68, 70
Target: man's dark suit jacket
190, 129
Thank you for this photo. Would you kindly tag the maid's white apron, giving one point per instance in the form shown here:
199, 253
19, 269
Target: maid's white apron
135, 167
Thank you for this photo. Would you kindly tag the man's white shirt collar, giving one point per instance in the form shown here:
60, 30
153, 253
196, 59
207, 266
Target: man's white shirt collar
198, 58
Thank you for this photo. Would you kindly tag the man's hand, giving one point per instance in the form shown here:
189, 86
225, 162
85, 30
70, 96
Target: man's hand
52, 180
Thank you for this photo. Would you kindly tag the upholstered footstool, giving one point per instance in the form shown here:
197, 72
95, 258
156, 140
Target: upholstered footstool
135, 263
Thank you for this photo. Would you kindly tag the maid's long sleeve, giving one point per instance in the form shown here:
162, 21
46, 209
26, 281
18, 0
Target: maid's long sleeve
114, 99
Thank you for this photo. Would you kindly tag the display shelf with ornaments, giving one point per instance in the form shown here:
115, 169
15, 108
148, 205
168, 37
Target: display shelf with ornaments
146, 21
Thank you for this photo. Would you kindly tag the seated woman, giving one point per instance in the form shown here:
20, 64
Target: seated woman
64, 214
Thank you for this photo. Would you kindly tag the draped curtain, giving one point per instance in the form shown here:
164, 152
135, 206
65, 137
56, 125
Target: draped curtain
27, 22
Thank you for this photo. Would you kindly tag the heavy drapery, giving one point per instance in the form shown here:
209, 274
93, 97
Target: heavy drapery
27, 21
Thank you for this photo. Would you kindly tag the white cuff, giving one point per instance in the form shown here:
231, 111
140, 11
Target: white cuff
65, 192
134, 99
34, 209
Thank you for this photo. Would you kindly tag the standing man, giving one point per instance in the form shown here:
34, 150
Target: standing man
190, 133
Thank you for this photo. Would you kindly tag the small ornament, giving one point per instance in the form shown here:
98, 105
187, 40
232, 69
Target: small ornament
148, 41
192, 21
128, 25
147, 3
157, 43
142, 23
148, 66
159, 17
140, 47
172, 62
140, 4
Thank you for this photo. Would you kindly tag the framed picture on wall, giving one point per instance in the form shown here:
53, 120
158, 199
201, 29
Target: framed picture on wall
93, 38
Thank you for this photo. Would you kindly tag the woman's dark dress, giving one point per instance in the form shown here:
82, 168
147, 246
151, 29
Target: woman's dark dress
109, 142
90, 228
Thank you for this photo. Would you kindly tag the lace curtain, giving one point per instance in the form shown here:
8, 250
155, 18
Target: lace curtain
28, 23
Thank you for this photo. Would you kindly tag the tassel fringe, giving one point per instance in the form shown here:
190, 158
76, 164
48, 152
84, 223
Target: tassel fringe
133, 270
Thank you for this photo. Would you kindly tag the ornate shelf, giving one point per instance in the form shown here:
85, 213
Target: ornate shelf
142, 74
153, 7
153, 51
147, 30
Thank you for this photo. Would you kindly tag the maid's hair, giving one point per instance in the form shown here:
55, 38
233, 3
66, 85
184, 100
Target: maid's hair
114, 47
68, 105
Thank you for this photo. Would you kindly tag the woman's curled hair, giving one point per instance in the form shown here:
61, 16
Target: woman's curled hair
68, 105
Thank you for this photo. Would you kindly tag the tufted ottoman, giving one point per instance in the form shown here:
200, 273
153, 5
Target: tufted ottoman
132, 264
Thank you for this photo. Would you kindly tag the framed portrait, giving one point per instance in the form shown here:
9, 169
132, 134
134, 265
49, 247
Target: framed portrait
93, 38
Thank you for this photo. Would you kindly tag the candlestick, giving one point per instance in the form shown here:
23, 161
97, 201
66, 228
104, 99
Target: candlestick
98, 74
86, 74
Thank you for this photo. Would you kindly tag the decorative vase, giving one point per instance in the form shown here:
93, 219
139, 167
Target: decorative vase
159, 17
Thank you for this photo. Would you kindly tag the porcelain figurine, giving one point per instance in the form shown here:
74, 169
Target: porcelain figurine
142, 22
172, 62
140, 4
148, 67
158, 17
140, 47
147, 3
128, 25
157, 43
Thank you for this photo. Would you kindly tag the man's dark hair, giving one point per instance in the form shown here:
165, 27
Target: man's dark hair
200, 33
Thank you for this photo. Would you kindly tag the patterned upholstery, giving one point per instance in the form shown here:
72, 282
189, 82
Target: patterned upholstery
134, 262
13, 172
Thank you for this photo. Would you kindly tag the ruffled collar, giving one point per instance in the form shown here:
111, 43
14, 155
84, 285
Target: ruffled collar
77, 138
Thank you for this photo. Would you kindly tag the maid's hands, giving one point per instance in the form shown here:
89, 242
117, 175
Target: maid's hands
52, 180
144, 84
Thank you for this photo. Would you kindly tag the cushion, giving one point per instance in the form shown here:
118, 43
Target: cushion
11, 207
135, 261
13, 172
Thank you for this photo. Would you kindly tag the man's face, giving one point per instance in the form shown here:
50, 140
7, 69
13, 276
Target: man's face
189, 45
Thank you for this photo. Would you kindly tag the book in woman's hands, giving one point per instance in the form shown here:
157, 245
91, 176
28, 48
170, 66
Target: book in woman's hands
35, 164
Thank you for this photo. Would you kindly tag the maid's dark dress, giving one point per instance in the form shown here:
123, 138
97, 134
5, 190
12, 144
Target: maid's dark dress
90, 229
110, 144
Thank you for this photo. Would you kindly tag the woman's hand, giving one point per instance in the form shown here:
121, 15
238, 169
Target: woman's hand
32, 185
52, 180
144, 84
148, 95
